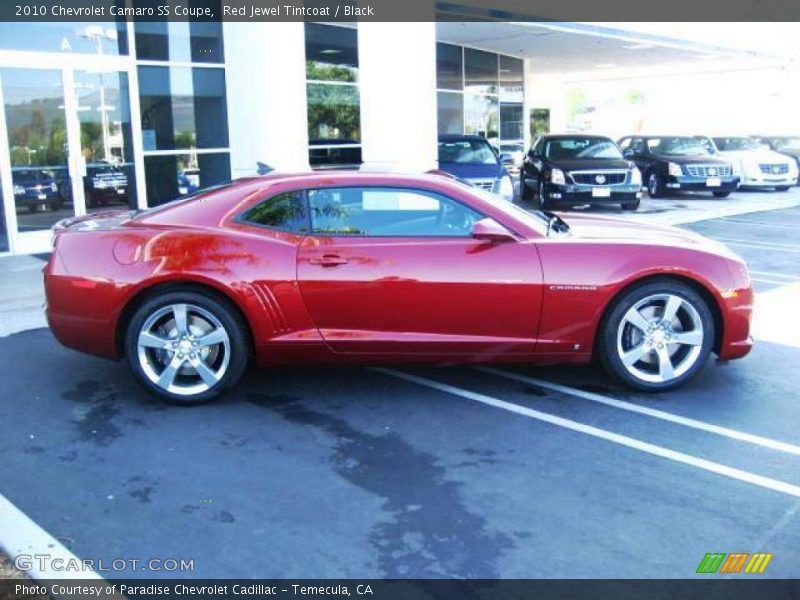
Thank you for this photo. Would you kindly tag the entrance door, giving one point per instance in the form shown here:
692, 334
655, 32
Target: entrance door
67, 148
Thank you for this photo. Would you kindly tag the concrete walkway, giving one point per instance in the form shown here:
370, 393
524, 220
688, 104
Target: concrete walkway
21, 294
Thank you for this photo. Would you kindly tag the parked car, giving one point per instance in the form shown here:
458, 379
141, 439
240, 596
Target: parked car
357, 268
473, 159
104, 184
570, 170
512, 155
785, 144
679, 163
756, 165
35, 188
188, 181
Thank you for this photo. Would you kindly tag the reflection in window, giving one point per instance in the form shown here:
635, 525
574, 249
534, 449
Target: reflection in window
106, 146
180, 41
37, 139
3, 229
481, 116
450, 112
183, 108
333, 113
388, 212
511, 79
169, 177
286, 211
331, 53
511, 121
333, 156
77, 37
480, 71
449, 67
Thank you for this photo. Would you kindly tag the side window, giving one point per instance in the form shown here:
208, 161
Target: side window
388, 212
286, 212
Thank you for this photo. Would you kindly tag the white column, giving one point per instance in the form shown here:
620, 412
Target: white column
266, 85
397, 77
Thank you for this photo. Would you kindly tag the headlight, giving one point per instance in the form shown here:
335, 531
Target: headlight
19, 190
636, 177
557, 177
675, 170
506, 189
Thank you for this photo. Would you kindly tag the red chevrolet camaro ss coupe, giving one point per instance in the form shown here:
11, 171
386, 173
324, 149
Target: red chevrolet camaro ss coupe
357, 268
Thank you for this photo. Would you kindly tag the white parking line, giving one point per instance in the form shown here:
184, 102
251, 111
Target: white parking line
735, 434
20, 535
760, 244
775, 281
759, 223
622, 440
777, 275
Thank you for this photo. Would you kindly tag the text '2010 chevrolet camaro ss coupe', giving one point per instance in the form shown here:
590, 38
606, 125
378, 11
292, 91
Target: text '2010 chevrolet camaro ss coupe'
360, 268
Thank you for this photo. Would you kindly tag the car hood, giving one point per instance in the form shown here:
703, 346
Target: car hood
756, 156
618, 230
473, 170
594, 164
688, 160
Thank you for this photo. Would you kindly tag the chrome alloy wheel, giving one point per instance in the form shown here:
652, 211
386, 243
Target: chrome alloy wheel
183, 349
660, 338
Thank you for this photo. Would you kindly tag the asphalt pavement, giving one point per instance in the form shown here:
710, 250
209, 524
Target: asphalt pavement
516, 472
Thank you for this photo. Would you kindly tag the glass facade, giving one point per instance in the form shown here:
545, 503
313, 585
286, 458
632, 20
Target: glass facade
75, 37
334, 101
480, 93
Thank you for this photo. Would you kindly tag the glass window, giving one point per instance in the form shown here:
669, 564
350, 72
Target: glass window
511, 79
449, 67
331, 53
467, 152
388, 212
678, 146
334, 113
286, 211
3, 229
37, 143
67, 37
180, 41
331, 156
581, 147
480, 71
511, 127
183, 108
171, 176
481, 116
450, 112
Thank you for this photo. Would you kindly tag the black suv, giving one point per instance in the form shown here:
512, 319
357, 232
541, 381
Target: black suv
578, 170
680, 163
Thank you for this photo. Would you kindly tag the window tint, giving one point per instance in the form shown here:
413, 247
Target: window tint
388, 212
285, 211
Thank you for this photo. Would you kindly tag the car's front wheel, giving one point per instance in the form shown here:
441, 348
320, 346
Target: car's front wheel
782, 188
186, 347
721, 194
655, 185
630, 205
657, 335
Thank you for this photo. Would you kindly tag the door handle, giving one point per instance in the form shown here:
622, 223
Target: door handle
329, 260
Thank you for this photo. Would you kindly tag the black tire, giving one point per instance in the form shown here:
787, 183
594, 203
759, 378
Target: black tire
631, 205
782, 188
721, 194
607, 337
223, 311
655, 185
543, 203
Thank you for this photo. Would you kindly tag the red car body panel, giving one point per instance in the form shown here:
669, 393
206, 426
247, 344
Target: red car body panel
459, 299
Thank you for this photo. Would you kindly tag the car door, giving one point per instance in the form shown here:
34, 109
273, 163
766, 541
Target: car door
533, 163
395, 271
639, 154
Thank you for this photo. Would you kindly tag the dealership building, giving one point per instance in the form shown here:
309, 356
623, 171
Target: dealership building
124, 114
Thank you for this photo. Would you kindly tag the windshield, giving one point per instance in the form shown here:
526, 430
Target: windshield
678, 146
467, 152
737, 143
512, 148
792, 143
581, 147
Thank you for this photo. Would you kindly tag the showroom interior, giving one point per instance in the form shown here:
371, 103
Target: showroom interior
124, 114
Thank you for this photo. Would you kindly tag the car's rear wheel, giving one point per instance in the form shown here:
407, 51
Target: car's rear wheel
186, 347
721, 194
657, 336
655, 185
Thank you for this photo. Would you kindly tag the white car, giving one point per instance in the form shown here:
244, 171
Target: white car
756, 164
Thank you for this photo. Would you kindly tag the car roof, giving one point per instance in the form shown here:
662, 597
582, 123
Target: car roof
566, 136
454, 137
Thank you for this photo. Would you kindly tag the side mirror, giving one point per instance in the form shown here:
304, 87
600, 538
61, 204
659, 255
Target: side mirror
491, 231
627, 153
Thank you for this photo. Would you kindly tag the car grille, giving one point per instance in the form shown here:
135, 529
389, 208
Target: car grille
599, 178
708, 170
774, 169
486, 184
